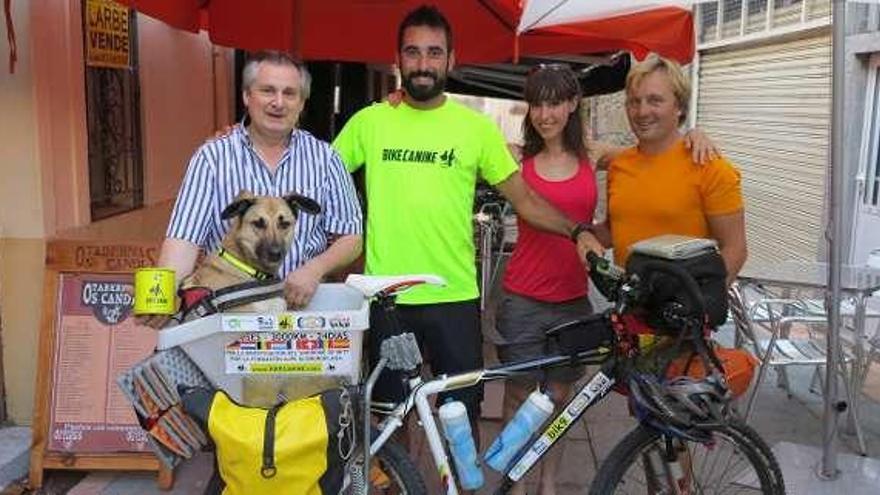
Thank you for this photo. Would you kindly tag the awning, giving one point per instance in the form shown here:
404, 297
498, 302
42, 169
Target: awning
366, 30
597, 75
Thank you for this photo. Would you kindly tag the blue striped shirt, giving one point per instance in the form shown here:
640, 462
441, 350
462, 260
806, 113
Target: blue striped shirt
223, 167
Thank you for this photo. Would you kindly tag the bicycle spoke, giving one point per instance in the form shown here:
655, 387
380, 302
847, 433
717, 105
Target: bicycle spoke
391, 472
732, 462
724, 466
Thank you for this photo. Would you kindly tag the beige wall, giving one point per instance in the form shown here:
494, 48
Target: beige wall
22, 211
177, 101
21, 219
21, 296
185, 95
56, 55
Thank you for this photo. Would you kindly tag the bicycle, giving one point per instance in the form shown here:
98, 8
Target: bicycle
670, 452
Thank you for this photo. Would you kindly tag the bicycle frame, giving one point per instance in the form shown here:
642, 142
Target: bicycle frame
596, 388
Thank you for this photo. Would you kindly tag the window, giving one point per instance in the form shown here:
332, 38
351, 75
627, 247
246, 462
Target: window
869, 157
708, 15
863, 17
732, 17
725, 20
112, 109
757, 7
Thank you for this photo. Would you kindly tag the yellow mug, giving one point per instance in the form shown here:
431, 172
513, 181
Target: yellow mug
154, 291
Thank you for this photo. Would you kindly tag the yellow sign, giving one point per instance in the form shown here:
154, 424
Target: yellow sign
154, 291
107, 37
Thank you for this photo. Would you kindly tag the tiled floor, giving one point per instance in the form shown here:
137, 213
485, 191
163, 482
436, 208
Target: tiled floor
14, 444
802, 464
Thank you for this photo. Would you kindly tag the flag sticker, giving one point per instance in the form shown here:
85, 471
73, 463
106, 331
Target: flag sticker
298, 352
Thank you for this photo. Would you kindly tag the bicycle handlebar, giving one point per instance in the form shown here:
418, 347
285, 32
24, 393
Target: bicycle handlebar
691, 289
605, 276
618, 286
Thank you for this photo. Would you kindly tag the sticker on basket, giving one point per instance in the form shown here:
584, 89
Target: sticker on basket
310, 322
249, 323
291, 322
321, 352
339, 321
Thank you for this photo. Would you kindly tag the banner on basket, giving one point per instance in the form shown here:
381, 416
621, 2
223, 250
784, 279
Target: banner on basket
320, 352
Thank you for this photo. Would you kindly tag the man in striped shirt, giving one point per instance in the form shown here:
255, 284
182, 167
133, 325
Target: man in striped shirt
268, 155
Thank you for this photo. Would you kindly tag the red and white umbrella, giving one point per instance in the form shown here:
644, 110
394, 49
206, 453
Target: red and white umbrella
486, 31
538, 14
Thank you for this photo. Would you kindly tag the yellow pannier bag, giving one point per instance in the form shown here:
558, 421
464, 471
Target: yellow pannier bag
292, 448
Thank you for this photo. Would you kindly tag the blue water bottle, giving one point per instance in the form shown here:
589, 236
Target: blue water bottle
457, 430
528, 418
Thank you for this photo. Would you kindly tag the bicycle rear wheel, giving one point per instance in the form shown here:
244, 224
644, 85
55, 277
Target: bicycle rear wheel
391, 473
737, 460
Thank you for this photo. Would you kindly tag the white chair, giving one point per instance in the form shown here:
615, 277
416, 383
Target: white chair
764, 328
848, 335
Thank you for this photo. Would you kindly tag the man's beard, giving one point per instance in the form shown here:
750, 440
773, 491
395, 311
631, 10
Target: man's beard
424, 93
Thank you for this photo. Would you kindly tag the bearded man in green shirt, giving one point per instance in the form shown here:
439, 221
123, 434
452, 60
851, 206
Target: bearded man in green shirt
422, 159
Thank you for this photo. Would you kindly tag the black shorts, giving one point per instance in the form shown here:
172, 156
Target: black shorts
449, 337
521, 323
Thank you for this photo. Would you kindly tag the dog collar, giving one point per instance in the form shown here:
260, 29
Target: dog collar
242, 266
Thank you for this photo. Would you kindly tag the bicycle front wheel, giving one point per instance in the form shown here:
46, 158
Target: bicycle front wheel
737, 460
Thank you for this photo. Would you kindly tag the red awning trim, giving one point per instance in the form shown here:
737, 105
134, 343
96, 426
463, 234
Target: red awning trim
485, 30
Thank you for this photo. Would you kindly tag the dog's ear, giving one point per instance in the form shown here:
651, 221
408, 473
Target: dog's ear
237, 208
243, 200
244, 194
298, 202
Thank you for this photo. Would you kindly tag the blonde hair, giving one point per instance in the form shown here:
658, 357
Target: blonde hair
681, 86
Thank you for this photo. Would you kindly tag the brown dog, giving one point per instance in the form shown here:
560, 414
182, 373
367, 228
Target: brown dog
258, 240
255, 245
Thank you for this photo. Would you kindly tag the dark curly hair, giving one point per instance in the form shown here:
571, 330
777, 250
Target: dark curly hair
425, 15
554, 84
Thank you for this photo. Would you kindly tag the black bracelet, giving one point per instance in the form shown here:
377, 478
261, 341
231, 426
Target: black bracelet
577, 229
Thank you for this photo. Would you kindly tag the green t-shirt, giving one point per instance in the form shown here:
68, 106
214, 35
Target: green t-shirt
421, 173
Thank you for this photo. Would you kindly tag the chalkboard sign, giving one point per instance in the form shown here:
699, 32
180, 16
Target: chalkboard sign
96, 339
89, 336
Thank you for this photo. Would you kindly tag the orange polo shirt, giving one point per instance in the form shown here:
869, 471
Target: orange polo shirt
651, 195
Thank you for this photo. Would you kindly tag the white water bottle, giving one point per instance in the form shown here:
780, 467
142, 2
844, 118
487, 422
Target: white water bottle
457, 430
528, 418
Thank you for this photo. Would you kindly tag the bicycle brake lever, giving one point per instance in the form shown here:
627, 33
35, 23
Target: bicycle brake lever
402, 352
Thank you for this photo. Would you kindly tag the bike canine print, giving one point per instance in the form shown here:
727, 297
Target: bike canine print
444, 158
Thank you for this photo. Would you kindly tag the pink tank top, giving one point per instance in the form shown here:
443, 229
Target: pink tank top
546, 266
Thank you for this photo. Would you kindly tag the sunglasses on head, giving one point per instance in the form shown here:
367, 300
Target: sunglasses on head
543, 67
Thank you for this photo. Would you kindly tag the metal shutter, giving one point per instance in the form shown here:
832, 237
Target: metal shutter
769, 107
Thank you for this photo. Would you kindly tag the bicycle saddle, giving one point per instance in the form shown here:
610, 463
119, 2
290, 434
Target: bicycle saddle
371, 285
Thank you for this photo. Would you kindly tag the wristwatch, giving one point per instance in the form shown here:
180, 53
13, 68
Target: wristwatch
578, 228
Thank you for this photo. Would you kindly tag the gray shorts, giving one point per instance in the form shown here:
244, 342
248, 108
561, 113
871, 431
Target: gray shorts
521, 323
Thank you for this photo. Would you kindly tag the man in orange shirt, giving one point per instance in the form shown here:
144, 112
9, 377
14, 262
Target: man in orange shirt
655, 187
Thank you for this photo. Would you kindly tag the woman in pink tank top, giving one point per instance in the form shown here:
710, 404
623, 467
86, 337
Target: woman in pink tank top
545, 282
